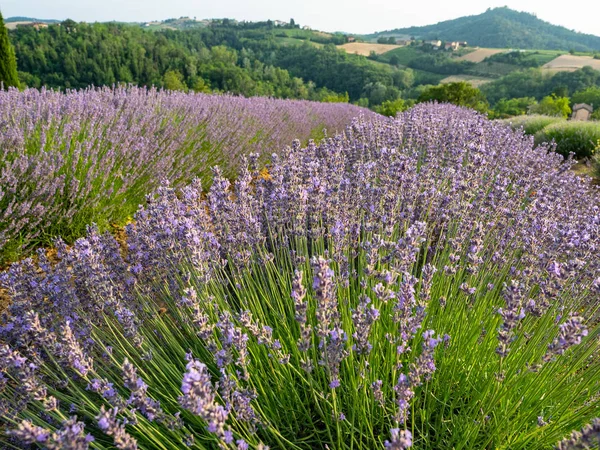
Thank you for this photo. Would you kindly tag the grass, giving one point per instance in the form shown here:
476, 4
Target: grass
296, 41
579, 138
532, 124
404, 54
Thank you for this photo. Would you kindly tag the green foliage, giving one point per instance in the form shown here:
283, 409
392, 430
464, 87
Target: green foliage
461, 94
534, 83
8, 63
553, 106
335, 98
520, 58
391, 108
512, 107
591, 96
340, 72
577, 137
77, 55
430, 61
532, 124
173, 81
596, 161
505, 28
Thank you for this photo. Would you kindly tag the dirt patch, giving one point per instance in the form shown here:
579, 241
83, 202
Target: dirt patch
480, 54
570, 63
365, 48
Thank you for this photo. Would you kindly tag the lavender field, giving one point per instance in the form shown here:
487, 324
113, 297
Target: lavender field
70, 159
429, 282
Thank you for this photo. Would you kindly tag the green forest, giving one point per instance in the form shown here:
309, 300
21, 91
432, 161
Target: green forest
503, 28
259, 59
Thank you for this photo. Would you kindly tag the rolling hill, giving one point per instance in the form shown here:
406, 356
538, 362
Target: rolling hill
502, 28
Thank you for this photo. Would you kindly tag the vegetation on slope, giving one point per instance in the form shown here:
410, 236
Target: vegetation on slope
503, 28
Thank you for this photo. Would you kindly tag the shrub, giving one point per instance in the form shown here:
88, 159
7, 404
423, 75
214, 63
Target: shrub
391, 108
67, 160
533, 123
512, 107
552, 106
429, 279
579, 138
461, 94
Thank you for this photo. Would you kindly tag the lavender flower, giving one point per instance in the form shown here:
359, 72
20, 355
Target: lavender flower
401, 439
570, 333
199, 397
108, 423
587, 438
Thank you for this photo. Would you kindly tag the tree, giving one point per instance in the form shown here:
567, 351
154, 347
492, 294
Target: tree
591, 96
8, 61
513, 107
553, 106
173, 81
461, 94
391, 108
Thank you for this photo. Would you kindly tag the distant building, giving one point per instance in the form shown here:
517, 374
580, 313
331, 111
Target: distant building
436, 43
462, 44
279, 23
351, 39
306, 27
452, 46
582, 111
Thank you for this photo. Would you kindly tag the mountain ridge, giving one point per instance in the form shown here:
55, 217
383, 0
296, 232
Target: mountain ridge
502, 28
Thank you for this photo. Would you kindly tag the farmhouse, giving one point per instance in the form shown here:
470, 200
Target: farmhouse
582, 111
351, 39
436, 43
452, 46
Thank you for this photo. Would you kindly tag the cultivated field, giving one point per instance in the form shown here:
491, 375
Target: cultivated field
365, 48
480, 54
14, 25
570, 63
472, 80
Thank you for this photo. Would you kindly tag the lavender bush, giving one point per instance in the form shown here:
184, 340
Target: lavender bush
430, 281
91, 156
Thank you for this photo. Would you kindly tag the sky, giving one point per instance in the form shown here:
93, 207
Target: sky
352, 16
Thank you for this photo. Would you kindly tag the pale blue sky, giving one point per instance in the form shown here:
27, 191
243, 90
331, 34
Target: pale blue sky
357, 16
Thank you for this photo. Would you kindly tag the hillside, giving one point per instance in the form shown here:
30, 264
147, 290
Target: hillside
502, 28
29, 19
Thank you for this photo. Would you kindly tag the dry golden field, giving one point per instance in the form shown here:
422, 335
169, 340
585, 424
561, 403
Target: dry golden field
13, 25
480, 54
570, 63
365, 48
472, 80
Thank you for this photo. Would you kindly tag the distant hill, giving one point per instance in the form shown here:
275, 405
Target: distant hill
502, 28
29, 19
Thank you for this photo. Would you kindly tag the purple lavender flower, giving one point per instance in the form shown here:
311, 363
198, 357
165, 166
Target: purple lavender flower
363, 317
401, 439
108, 423
587, 438
27, 433
199, 397
570, 333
